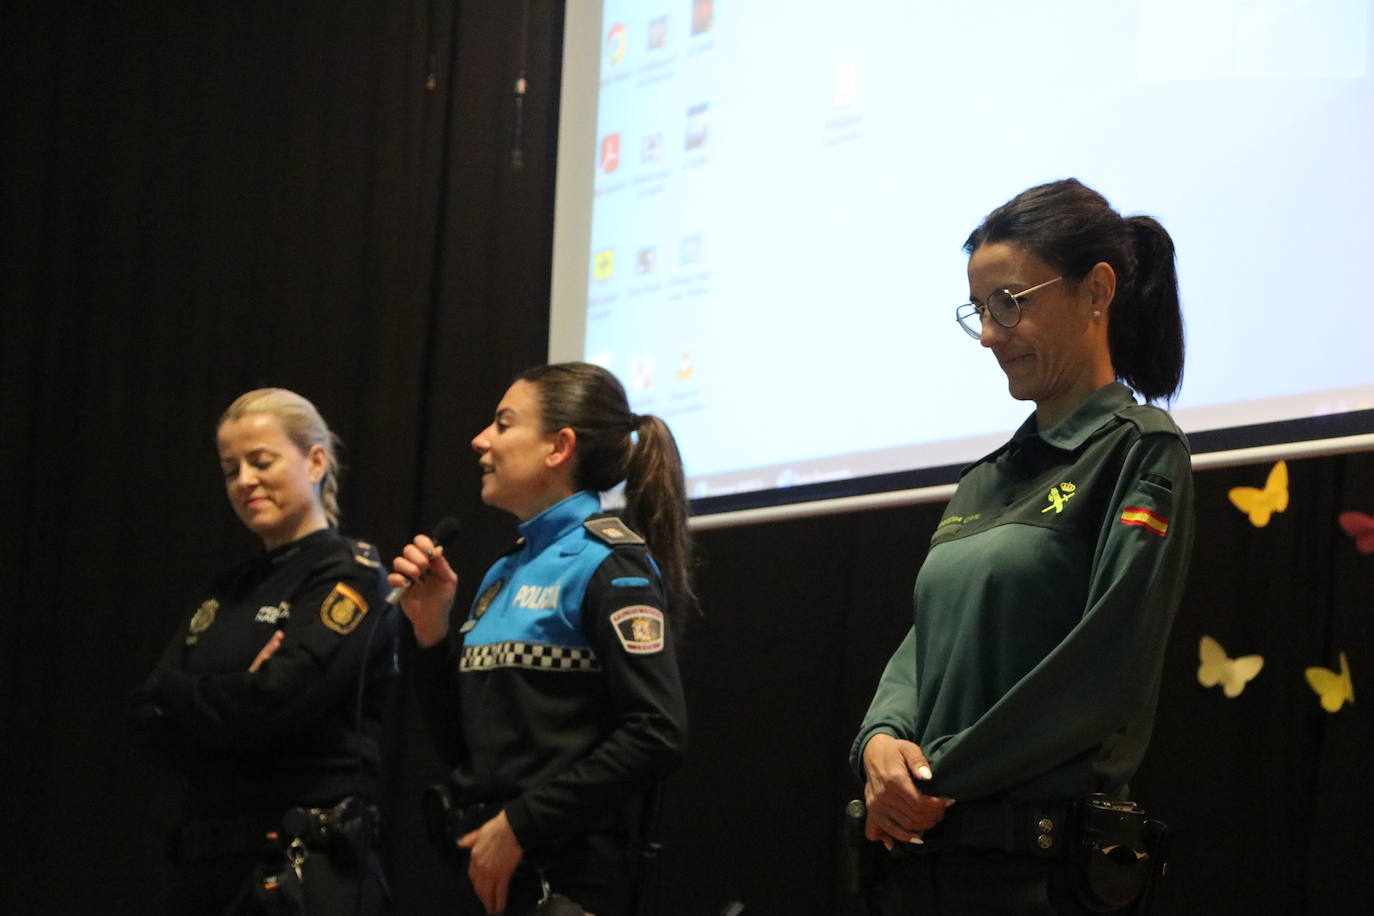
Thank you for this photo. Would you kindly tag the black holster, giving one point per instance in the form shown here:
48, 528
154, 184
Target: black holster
347, 831
446, 822
1118, 855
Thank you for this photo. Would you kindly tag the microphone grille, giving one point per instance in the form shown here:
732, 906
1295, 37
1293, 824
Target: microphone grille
446, 530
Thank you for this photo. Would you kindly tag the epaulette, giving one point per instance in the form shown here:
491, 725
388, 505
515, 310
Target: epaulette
612, 530
365, 554
1148, 419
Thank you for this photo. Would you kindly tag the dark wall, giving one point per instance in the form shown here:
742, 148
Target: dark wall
203, 198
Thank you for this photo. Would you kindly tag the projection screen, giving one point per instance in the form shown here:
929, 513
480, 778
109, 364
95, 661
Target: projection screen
761, 207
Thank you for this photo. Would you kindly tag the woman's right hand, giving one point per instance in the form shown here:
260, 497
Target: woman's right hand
897, 808
432, 583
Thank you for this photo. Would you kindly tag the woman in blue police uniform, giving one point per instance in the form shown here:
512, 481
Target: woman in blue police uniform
559, 691
257, 696
1030, 676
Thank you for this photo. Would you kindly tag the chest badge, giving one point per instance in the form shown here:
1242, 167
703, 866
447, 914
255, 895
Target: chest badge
480, 606
1058, 496
201, 620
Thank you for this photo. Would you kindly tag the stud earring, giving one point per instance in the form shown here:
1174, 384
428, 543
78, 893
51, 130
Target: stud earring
1096, 313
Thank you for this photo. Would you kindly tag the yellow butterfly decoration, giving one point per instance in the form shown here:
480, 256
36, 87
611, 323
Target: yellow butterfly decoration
1231, 673
1261, 504
1334, 689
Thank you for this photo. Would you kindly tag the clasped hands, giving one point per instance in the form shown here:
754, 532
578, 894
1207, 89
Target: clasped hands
898, 811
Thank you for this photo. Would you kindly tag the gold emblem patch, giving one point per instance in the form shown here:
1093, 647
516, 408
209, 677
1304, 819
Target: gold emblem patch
1058, 496
343, 610
201, 620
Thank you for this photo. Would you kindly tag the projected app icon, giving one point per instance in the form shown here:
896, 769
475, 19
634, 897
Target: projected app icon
642, 370
646, 261
698, 121
658, 33
702, 11
616, 40
685, 368
610, 153
603, 265
846, 83
689, 250
651, 148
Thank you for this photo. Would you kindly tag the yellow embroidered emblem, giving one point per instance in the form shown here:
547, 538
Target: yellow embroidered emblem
343, 610
201, 620
1058, 496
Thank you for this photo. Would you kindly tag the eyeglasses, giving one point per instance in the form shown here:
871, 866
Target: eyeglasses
1003, 305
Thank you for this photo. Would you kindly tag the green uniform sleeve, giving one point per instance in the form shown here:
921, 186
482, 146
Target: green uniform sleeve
1088, 706
893, 710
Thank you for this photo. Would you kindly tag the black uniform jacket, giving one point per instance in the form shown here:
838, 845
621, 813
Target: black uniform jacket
291, 733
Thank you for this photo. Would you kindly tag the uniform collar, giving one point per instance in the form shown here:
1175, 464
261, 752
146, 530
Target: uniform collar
283, 553
1087, 418
559, 519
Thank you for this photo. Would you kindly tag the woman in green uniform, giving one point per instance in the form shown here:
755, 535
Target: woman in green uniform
1029, 679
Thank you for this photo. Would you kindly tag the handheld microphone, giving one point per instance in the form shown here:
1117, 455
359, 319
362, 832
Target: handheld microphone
444, 534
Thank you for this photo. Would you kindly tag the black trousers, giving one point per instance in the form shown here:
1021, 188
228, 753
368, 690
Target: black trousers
210, 888
959, 882
593, 870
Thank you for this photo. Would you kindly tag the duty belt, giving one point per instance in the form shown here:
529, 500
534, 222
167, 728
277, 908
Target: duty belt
199, 839
1038, 829
203, 838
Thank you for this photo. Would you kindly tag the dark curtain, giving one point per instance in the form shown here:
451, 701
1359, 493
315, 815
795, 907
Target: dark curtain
204, 198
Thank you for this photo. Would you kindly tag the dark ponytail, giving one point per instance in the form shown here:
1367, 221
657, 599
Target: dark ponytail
591, 402
1146, 337
656, 501
1072, 228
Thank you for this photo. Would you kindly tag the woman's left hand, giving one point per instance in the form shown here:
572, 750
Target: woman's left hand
494, 854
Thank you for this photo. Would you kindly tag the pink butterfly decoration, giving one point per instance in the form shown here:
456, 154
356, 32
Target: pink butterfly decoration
1360, 527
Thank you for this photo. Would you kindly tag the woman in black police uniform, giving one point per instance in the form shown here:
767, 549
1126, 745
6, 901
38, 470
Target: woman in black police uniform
257, 695
556, 697
1030, 676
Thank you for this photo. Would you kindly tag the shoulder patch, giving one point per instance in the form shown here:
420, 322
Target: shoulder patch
343, 610
639, 629
612, 530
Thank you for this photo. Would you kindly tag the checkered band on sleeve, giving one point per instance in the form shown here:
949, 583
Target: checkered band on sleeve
514, 654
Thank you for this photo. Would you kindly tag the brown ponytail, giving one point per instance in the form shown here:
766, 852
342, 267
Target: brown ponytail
656, 501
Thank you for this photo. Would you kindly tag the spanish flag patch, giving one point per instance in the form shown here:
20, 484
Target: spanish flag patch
1139, 515
343, 610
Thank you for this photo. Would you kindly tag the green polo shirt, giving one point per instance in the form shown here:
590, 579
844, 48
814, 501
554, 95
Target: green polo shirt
1042, 611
